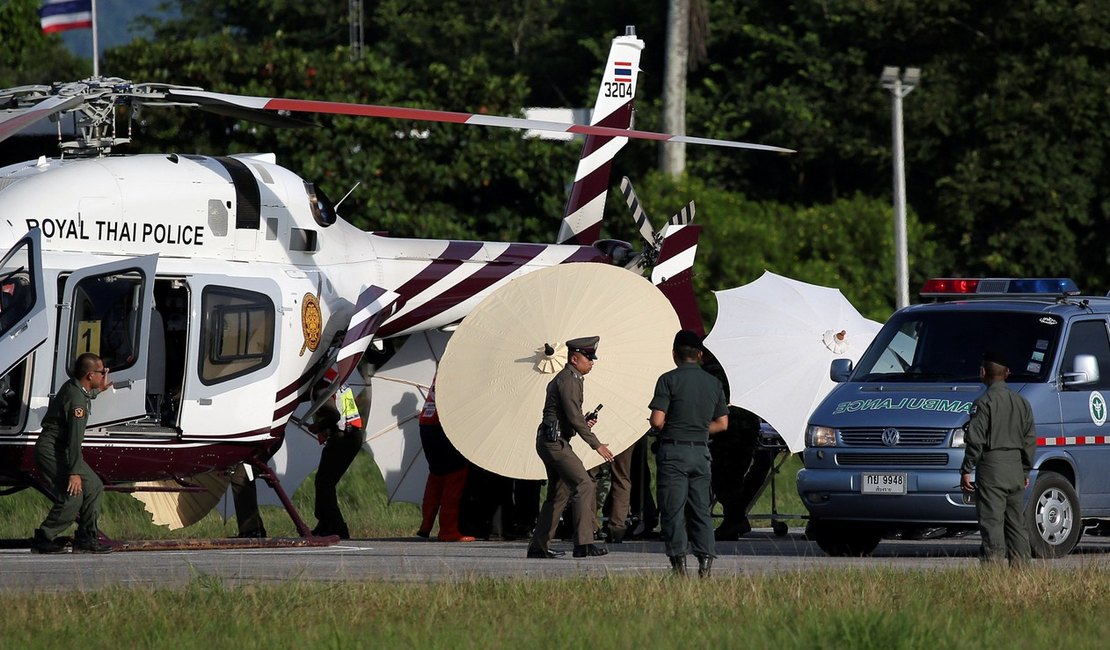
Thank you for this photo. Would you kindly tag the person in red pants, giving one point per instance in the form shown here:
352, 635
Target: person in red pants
446, 478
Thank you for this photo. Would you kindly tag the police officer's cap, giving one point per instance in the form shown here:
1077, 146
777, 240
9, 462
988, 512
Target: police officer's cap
587, 346
993, 356
689, 339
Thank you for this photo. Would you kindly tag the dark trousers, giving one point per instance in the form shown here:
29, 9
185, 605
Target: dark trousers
684, 499
1000, 484
567, 480
338, 454
740, 470
244, 493
84, 507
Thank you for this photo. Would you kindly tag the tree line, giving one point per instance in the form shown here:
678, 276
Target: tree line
1005, 137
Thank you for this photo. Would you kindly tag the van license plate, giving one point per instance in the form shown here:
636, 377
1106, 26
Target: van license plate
883, 483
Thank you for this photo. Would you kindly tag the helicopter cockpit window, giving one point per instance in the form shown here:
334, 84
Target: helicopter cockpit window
237, 336
17, 291
323, 210
106, 318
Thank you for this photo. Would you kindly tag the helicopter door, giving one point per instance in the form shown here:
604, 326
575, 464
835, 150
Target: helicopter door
24, 322
106, 310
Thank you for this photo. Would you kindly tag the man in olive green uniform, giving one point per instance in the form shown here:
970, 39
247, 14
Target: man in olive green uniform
1000, 443
58, 456
567, 478
689, 405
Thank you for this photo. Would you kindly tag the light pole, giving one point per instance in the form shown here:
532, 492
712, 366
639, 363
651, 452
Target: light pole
900, 84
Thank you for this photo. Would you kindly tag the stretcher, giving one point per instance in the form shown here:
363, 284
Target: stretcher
770, 441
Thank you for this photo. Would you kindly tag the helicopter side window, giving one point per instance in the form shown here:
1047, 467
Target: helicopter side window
106, 318
323, 210
17, 293
237, 334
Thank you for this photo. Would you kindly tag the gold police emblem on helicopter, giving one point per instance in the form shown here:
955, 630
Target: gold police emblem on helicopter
312, 322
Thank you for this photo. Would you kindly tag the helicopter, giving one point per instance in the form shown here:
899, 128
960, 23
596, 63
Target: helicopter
220, 289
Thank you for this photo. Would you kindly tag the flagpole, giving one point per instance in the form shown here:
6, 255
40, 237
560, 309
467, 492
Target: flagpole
95, 45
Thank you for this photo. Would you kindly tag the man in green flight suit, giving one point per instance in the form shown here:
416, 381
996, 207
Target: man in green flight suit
688, 406
58, 456
1000, 443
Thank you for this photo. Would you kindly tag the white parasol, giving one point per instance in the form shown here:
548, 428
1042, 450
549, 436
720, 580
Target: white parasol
398, 390
775, 339
492, 380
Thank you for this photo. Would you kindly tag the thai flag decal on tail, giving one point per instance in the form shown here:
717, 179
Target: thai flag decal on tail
60, 15
622, 72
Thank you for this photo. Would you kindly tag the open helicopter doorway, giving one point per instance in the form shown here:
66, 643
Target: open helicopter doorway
169, 338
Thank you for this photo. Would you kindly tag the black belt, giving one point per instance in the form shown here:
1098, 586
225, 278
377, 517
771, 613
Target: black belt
688, 443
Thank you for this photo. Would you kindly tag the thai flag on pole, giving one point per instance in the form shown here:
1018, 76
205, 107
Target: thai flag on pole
60, 15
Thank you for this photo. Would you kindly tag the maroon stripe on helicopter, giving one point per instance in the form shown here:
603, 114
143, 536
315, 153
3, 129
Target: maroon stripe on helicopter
587, 254
618, 119
294, 387
515, 256
451, 259
284, 411
582, 192
364, 331
678, 241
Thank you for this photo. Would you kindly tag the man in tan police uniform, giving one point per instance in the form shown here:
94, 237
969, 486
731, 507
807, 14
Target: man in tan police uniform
566, 476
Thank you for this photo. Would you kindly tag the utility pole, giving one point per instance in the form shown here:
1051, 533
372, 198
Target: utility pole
672, 155
900, 85
357, 36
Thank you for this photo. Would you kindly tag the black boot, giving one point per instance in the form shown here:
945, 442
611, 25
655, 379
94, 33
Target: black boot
590, 550
678, 565
43, 544
705, 565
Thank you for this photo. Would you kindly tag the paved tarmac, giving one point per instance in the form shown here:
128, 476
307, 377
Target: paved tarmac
413, 560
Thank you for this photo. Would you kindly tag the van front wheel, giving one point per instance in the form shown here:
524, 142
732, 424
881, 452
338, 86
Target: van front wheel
1052, 516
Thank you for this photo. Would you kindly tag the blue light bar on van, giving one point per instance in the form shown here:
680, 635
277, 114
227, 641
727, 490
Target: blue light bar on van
997, 287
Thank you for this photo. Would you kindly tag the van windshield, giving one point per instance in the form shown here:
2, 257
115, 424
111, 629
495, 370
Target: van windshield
948, 346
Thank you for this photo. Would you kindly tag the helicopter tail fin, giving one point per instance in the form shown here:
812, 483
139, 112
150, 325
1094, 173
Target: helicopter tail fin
613, 108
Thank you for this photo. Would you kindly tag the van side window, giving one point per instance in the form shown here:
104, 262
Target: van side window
1089, 337
237, 335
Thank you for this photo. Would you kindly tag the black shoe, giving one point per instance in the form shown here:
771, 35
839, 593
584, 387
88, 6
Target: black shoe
705, 565
590, 550
91, 547
339, 531
43, 544
258, 533
678, 565
423, 534
544, 554
730, 531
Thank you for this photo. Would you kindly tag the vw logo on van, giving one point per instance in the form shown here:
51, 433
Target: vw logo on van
890, 437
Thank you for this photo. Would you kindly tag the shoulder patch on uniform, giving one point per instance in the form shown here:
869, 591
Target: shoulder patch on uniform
78, 412
974, 409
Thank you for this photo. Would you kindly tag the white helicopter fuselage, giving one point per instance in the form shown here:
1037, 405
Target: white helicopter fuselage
214, 287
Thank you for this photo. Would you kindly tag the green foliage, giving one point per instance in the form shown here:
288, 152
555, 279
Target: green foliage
839, 244
27, 56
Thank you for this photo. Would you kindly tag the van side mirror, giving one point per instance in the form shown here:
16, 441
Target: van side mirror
840, 370
1084, 371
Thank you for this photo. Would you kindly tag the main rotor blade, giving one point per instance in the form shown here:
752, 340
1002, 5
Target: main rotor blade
17, 120
401, 113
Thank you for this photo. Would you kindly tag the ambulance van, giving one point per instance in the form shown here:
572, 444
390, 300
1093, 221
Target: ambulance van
883, 450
